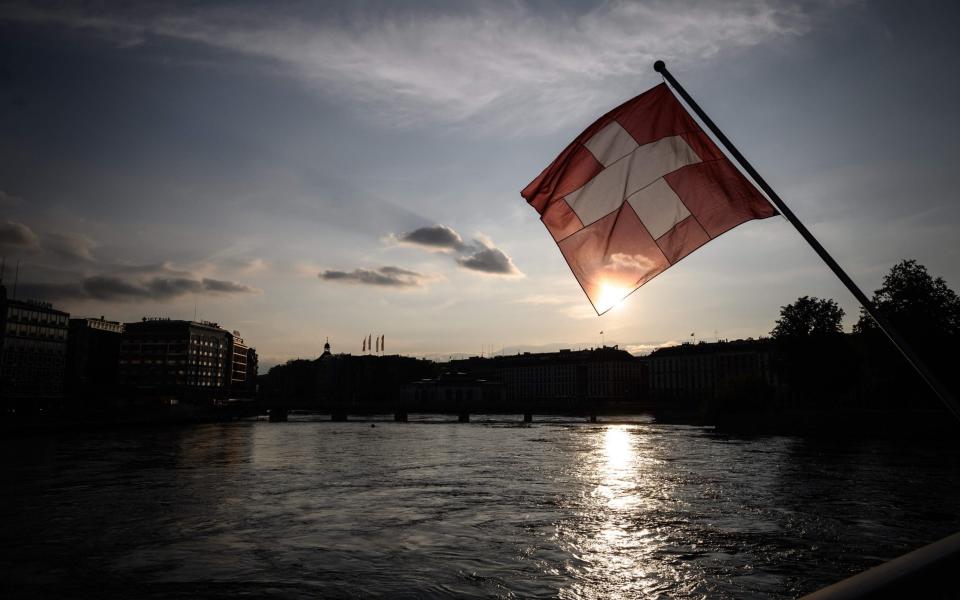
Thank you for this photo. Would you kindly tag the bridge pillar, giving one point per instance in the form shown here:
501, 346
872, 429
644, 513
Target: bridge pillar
278, 415
464, 417
400, 416
338, 416
528, 417
593, 417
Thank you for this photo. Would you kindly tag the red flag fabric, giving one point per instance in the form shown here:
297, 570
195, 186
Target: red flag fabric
637, 191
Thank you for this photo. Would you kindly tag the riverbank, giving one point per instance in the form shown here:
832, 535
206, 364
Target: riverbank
840, 423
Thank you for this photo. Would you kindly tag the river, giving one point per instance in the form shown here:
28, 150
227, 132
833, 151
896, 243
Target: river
311, 508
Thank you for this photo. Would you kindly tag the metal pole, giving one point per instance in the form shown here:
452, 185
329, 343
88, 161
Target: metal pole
885, 326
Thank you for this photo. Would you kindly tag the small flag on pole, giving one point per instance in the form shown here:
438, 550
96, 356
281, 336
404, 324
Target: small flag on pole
378, 344
636, 192
364, 345
383, 341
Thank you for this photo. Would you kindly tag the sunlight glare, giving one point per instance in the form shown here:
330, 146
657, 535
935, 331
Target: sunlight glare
617, 448
610, 296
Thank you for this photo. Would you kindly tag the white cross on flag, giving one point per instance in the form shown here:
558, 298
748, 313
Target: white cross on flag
637, 191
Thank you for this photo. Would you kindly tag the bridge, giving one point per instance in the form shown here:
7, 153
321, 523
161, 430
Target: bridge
278, 410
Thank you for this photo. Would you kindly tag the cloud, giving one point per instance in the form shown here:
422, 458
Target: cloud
479, 255
17, 236
436, 237
644, 348
384, 276
243, 265
228, 287
629, 262
9, 200
164, 269
489, 260
50, 291
172, 287
504, 65
70, 245
114, 288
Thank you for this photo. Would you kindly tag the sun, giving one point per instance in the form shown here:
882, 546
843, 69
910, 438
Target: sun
610, 295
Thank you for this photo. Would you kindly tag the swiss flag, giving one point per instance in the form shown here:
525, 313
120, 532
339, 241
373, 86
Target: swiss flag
637, 191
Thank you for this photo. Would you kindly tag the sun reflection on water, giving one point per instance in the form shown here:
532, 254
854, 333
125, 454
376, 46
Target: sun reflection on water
618, 468
615, 540
617, 448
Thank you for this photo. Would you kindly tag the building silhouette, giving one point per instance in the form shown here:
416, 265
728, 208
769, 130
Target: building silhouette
239, 365
454, 391
253, 369
701, 373
344, 381
563, 379
172, 357
33, 347
93, 358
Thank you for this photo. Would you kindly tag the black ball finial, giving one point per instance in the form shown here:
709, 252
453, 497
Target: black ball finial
659, 66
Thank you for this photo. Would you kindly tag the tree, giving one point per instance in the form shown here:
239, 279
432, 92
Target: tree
919, 305
812, 354
808, 317
926, 312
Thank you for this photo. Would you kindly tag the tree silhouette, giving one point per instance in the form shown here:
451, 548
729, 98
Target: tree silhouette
808, 317
915, 302
812, 354
927, 313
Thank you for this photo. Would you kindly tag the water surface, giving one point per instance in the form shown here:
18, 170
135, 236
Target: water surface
573, 510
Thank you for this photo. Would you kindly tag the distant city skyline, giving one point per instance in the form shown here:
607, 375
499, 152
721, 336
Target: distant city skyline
302, 172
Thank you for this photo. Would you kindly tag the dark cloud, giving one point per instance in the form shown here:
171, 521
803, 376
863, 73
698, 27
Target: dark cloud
50, 291
111, 288
17, 236
160, 269
398, 271
69, 245
171, 287
479, 255
489, 260
229, 287
384, 276
437, 237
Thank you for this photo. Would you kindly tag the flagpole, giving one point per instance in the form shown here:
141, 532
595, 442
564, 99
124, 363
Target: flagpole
885, 326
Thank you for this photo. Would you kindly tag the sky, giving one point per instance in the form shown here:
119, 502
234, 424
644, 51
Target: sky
299, 171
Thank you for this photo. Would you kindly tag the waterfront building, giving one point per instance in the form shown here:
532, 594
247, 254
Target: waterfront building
453, 391
33, 347
237, 362
702, 372
167, 356
366, 380
253, 367
356, 382
93, 356
572, 378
